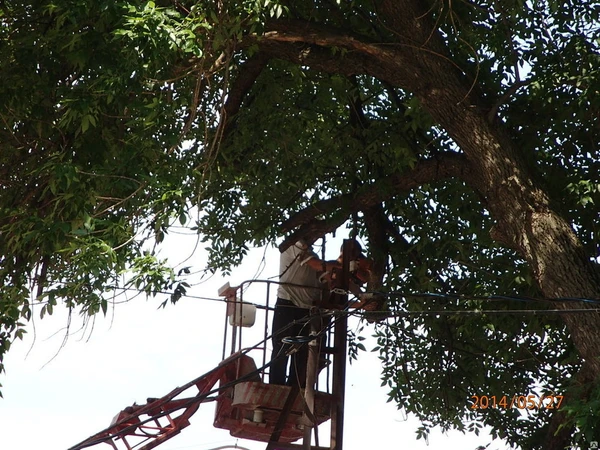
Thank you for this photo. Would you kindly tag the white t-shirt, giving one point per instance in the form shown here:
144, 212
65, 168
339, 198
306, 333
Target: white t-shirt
293, 269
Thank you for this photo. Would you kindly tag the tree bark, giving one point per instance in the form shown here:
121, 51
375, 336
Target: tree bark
522, 210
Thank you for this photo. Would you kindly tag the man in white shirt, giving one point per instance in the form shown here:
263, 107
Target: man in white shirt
299, 290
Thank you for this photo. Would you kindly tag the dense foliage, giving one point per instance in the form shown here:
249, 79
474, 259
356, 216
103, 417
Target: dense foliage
251, 119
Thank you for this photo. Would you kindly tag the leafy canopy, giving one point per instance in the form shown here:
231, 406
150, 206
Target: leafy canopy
120, 119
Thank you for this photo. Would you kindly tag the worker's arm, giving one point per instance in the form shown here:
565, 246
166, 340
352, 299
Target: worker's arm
318, 265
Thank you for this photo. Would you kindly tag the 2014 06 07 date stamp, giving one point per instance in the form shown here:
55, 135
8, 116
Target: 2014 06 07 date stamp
516, 401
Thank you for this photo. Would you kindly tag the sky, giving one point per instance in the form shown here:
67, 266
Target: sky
57, 394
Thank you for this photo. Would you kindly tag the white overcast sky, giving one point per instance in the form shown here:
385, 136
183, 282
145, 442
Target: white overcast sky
54, 398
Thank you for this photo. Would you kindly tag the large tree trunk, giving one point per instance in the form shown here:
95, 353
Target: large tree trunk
525, 219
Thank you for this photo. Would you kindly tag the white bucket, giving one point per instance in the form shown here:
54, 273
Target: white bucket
242, 314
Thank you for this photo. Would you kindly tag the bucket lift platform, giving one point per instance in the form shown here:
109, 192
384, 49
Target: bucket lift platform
252, 409
245, 405
248, 409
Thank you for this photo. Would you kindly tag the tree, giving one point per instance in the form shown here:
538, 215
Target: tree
461, 138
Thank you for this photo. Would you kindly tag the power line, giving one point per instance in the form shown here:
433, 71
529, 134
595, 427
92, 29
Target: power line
460, 297
481, 312
482, 297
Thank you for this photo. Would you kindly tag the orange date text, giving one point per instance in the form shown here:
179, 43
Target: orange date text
516, 401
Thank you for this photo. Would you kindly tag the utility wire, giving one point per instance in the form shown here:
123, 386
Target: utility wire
412, 295
460, 297
485, 297
482, 312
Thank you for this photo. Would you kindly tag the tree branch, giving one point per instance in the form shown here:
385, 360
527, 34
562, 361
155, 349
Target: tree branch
379, 245
491, 115
314, 44
325, 36
313, 230
442, 166
248, 73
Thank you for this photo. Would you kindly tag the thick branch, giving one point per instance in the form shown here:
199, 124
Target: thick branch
443, 166
318, 58
376, 224
248, 73
313, 230
313, 44
325, 36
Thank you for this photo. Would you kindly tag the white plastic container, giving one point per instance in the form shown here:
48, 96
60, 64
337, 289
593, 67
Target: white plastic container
242, 314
